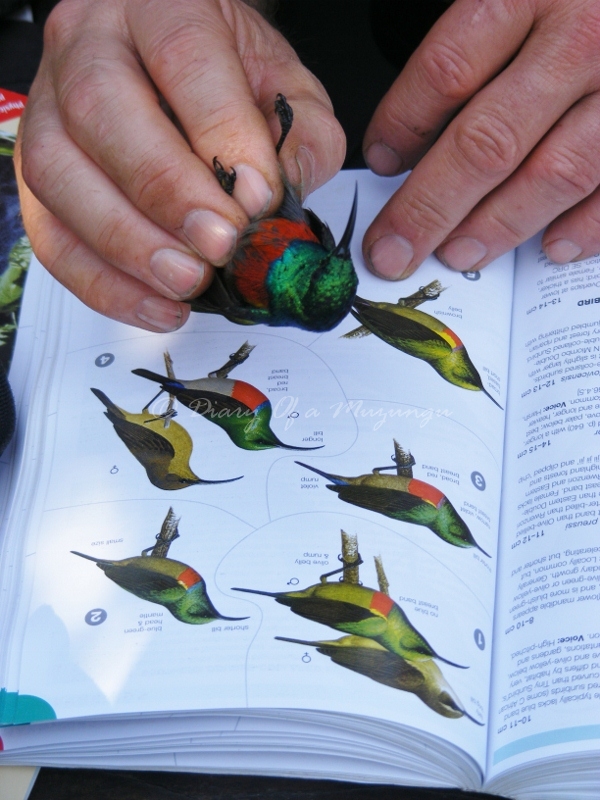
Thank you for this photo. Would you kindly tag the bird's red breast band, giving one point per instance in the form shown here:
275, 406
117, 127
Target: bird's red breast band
188, 578
248, 395
452, 338
263, 247
382, 603
426, 492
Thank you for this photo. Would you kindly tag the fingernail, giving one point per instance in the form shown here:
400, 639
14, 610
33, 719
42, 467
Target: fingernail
382, 160
161, 313
390, 256
178, 272
251, 190
462, 253
306, 165
212, 235
561, 251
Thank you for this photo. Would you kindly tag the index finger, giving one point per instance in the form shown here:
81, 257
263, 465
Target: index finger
468, 45
480, 148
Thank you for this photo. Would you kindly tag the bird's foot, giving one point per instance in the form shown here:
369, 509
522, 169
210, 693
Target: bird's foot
226, 179
285, 116
347, 565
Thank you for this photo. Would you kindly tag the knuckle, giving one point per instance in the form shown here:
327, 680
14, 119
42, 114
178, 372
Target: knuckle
425, 214
447, 70
58, 27
177, 52
38, 156
112, 234
568, 174
153, 183
507, 228
488, 146
83, 95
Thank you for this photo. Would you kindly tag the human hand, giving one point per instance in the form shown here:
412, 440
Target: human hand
517, 82
118, 205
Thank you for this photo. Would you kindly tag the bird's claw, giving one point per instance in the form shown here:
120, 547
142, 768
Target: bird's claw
226, 179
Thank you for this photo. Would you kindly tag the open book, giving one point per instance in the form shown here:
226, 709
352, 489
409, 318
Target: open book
367, 554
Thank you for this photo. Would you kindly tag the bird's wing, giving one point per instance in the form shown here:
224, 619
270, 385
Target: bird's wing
220, 299
112, 411
143, 443
216, 299
320, 229
387, 501
392, 326
139, 580
327, 612
379, 665
210, 404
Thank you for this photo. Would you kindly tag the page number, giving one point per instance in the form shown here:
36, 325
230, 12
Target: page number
104, 360
96, 616
478, 481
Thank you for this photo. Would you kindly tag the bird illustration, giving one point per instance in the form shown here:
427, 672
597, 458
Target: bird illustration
172, 584
239, 408
404, 498
163, 450
420, 335
287, 269
360, 611
158, 579
367, 657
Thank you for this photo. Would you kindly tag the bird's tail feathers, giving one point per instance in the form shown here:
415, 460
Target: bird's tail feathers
111, 407
169, 383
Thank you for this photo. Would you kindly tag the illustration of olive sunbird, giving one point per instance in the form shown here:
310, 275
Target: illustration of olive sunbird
163, 450
158, 579
420, 335
239, 408
360, 611
367, 657
287, 269
402, 497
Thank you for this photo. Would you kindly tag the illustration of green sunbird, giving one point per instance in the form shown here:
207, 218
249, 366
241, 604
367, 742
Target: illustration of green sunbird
287, 269
360, 611
163, 450
158, 579
239, 408
420, 335
404, 498
367, 657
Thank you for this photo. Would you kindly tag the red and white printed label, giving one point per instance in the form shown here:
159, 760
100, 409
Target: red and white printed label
11, 105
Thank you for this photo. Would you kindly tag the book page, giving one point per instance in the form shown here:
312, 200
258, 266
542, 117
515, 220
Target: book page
546, 687
379, 442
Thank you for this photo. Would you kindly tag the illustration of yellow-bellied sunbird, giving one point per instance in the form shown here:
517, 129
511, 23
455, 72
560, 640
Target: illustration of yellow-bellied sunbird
360, 611
163, 450
381, 644
402, 497
369, 658
287, 269
239, 408
158, 579
420, 335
